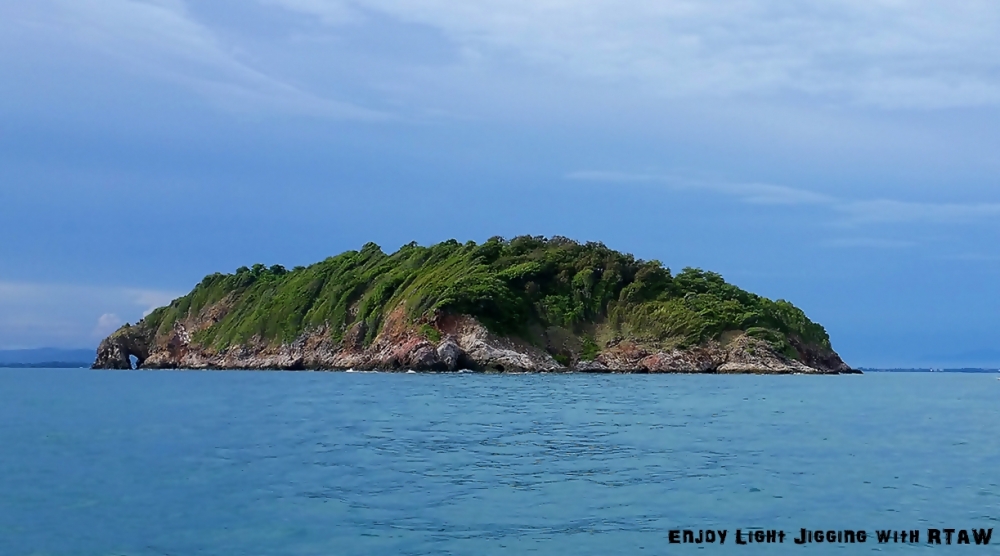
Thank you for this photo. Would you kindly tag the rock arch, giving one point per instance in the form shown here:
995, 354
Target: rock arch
117, 350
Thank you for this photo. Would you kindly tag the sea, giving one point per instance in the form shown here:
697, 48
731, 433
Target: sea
184, 463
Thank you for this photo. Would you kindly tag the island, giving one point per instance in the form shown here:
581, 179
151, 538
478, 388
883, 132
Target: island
528, 304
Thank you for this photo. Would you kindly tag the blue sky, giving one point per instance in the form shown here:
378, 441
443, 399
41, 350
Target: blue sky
842, 156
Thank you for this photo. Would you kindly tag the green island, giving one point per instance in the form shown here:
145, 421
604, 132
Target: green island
525, 304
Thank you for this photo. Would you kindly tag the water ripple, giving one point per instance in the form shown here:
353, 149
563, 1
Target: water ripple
380, 463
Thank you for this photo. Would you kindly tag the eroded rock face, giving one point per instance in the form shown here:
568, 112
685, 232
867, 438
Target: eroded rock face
746, 355
116, 350
112, 355
820, 359
450, 355
465, 344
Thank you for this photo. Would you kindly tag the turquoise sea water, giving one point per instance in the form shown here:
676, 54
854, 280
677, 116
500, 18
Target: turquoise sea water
262, 463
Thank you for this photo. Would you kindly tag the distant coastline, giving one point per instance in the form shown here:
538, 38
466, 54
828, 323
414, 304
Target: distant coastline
47, 357
47, 365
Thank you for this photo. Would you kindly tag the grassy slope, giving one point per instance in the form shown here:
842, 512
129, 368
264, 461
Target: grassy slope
514, 287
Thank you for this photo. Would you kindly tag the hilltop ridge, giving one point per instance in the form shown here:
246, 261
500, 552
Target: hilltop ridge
527, 304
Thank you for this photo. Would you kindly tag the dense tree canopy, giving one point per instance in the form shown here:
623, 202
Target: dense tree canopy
511, 286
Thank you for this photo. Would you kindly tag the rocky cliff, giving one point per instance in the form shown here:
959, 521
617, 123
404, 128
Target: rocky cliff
529, 304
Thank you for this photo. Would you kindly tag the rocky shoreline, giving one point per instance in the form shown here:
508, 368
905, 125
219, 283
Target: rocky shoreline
464, 344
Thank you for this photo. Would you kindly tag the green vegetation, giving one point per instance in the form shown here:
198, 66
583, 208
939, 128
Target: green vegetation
590, 349
431, 333
516, 287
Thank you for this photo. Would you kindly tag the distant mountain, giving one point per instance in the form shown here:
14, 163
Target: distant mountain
36, 357
979, 358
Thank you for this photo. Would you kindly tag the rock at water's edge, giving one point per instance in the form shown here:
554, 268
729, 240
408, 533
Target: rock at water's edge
468, 345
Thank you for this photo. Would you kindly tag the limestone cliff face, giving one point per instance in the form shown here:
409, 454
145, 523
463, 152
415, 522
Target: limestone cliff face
464, 343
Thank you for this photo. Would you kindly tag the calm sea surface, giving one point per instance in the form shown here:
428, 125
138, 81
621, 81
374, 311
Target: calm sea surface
261, 463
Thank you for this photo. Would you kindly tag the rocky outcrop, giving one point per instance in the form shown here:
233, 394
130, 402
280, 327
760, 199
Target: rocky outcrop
117, 350
464, 344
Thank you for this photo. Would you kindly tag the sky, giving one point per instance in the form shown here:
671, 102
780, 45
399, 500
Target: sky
840, 155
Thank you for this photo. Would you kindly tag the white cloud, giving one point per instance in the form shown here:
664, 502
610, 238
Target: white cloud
106, 324
160, 38
884, 53
64, 315
891, 53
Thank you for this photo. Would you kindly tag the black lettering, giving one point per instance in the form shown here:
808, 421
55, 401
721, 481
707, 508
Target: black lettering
933, 536
963, 537
781, 536
884, 536
818, 536
802, 537
710, 536
688, 536
722, 536
758, 536
915, 535
772, 536
848, 536
947, 535
699, 539
674, 536
982, 536
862, 536
831, 536
739, 537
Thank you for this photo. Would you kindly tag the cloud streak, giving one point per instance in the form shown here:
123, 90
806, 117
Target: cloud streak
161, 39
875, 211
756, 193
900, 55
892, 211
912, 54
